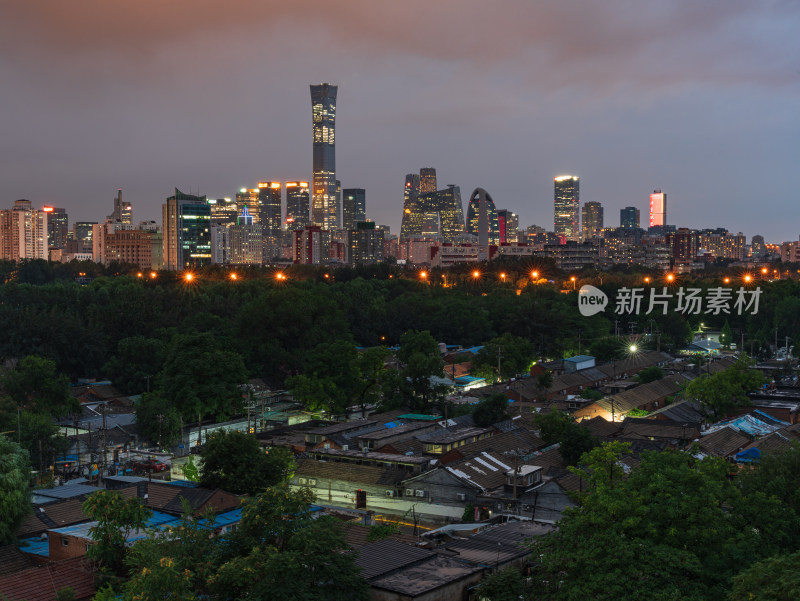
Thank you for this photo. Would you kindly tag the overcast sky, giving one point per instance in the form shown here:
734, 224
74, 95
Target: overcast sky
699, 98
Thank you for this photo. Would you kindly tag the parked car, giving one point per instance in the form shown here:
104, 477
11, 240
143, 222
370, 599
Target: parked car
149, 465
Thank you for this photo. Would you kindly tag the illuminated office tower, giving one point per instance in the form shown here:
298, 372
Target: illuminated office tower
508, 224
566, 200
354, 207
57, 227
324, 209
297, 205
427, 180
412, 221
186, 231
658, 208
123, 211
419, 211
629, 218
223, 210
482, 218
250, 198
592, 218
269, 202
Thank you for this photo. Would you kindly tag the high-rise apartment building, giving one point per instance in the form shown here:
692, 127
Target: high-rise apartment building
311, 245
297, 205
123, 210
427, 180
630, 218
23, 232
354, 207
566, 201
269, 200
186, 231
592, 218
57, 227
365, 243
482, 218
658, 209
324, 208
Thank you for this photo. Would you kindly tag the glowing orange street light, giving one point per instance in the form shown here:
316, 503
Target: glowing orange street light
748, 278
535, 274
153, 275
138, 275
476, 274
647, 280
503, 276
279, 276
727, 280
233, 276
764, 270
670, 277
188, 277
327, 276
423, 275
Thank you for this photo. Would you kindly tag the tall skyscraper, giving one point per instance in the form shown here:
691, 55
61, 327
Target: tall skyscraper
187, 231
57, 227
365, 243
420, 210
297, 205
629, 218
566, 200
23, 232
427, 180
123, 211
83, 234
250, 198
658, 208
482, 218
508, 224
269, 200
592, 217
409, 225
324, 209
354, 207
223, 210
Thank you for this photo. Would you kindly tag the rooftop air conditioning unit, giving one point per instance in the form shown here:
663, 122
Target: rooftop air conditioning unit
419, 493
389, 493
409, 492
345, 447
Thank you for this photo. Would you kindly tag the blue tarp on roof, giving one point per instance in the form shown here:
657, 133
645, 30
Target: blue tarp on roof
35, 546
752, 455
579, 358
467, 379
390, 425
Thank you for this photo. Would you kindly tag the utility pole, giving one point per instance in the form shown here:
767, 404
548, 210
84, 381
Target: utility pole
616, 328
579, 341
104, 442
776, 342
499, 357
78, 446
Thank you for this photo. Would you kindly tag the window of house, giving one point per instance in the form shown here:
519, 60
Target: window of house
64, 542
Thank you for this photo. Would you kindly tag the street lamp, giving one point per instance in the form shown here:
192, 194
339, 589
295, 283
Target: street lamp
189, 277
572, 279
476, 274
535, 274
233, 276
423, 275
748, 278
670, 277
503, 276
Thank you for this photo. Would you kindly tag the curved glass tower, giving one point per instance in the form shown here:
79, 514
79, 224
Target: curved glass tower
324, 207
485, 225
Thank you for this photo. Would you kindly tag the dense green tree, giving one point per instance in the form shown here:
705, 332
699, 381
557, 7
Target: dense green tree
199, 378
774, 579
491, 410
116, 516
234, 461
506, 585
134, 366
723, 391
15, 495
558, 427
158, 420
517, 355
726, 335
776, 474
421, 362
650, 374
36, 385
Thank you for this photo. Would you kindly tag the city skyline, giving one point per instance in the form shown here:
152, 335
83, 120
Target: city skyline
695, 100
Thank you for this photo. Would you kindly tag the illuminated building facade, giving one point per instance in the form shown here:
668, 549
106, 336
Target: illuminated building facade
23, 232
250, 198
658, 209
123, 211
630, 218
324, 208
365, 243
297, 205
482, 218
420, 209
354, 207
683, 245
508, 226
269, 202
592, 220
223, 210
57, 227
566, 201
128, 246
186, 231
427, 180
311, 245
412, 221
